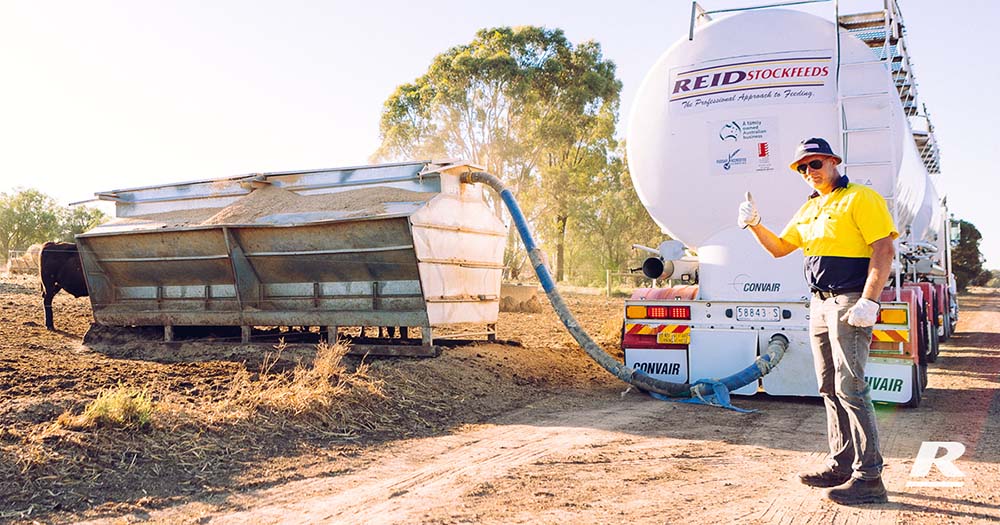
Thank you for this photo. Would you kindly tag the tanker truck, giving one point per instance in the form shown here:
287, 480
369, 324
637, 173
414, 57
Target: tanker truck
719, 115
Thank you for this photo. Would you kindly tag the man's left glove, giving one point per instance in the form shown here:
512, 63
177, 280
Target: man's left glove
862, 314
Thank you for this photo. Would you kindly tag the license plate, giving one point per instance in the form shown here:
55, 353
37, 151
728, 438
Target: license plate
758, 313
670, 338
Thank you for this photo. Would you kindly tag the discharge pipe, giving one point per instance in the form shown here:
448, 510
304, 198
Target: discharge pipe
702, 389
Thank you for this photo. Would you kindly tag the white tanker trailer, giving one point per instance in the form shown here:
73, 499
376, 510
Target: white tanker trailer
719, 115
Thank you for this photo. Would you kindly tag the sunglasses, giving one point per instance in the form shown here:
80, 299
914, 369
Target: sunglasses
815, 164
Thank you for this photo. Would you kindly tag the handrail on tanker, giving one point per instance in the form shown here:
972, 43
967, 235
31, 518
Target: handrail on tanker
698, 12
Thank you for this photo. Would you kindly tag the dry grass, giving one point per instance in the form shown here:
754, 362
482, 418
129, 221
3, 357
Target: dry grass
219, 425
189, 440
323, 392
326, 396
323, 395
119, 407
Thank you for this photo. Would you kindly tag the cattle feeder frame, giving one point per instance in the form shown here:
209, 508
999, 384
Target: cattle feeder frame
403, 245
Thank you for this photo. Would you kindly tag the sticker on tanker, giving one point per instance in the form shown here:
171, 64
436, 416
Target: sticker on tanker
777, 78
741, 146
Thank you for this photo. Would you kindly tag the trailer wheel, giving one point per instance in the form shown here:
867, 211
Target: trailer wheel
917, 387
923, 356
923, 336
934, 348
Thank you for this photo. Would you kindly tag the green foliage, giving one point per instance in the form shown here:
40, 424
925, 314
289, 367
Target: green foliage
470, 103
28, 216
79, 219
528, 106
994, 281
966, 260
612, 218
575, 114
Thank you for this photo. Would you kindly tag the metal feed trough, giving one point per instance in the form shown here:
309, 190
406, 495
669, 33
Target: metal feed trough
394, 245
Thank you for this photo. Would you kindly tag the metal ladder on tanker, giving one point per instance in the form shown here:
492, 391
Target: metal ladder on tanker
864, 112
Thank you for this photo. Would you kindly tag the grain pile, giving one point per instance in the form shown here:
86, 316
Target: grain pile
519, 298
270, 200
170, 218
510, 304
26, 263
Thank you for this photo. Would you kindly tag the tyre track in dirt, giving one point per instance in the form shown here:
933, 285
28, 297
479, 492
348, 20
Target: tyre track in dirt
597, 457
579, 452
412, 481
961, 404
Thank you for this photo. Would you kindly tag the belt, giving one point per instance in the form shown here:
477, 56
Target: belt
822, 294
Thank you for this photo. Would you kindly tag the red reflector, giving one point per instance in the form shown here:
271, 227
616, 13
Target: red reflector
668, 312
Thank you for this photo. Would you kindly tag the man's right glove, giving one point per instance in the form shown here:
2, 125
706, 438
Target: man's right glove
864, 313
748, 213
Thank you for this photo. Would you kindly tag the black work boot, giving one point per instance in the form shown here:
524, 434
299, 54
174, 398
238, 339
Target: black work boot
858, 491
825, 477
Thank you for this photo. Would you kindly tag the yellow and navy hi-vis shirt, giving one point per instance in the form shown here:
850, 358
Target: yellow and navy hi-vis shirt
836, 234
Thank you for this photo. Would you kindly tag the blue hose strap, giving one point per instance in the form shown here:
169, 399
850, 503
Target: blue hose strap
719, 398
720, 388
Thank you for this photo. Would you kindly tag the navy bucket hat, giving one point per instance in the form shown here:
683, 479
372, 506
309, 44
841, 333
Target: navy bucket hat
813, 146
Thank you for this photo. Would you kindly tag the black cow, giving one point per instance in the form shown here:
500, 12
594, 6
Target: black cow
60, 268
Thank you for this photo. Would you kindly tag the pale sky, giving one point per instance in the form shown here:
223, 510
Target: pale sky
98, 95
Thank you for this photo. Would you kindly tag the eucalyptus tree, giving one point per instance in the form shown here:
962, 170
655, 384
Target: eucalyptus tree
612, 219
524, 103
26, 216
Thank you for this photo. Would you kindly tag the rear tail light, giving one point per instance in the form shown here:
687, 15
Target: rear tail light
658, 312
892, 316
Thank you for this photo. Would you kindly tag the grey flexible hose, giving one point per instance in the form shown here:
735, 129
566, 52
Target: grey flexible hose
629, 375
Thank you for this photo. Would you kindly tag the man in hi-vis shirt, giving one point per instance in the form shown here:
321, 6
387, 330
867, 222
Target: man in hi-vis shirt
846, 233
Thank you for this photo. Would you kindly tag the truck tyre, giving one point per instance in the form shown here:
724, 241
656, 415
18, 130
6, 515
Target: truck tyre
923, 337
923, 356
934, 348
916, 389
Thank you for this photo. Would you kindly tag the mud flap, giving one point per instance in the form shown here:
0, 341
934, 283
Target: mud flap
893, 383
665, 364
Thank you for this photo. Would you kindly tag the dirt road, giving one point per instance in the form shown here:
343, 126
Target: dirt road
484, 433
598, 456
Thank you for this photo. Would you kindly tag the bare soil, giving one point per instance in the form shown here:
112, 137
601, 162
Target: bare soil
485, 433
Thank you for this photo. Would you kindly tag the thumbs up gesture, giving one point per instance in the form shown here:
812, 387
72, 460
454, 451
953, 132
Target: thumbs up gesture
748, 213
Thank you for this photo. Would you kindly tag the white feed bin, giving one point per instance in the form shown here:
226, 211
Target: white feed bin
404, 245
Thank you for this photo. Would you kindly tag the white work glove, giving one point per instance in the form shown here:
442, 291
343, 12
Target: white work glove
862, 314
748, 213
